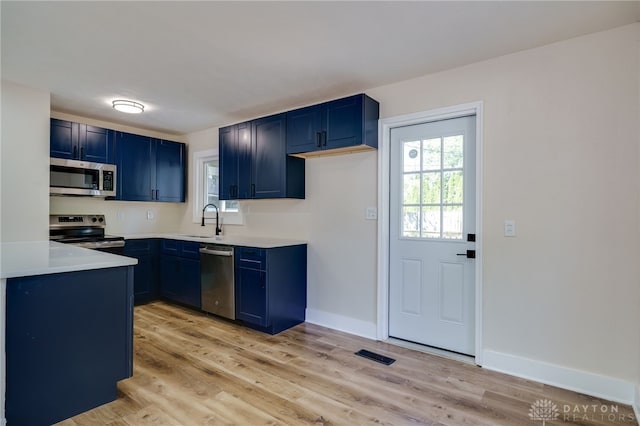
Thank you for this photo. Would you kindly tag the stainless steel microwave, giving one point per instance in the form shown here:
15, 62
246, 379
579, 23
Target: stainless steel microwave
72, 177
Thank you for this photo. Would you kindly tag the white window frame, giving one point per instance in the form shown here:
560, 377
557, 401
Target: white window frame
199, 159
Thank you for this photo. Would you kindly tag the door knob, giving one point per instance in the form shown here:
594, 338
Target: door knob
470, 254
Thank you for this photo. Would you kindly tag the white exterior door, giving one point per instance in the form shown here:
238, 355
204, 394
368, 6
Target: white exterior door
431, 233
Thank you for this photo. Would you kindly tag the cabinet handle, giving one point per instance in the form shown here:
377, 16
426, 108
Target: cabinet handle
324, 138
82, 153
318, 139
253, 189
75, 152
157, 194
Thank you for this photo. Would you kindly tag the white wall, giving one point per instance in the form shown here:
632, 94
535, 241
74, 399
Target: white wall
122, 217
24, 164
561, 158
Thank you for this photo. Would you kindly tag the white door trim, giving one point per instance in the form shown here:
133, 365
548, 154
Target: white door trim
385, 125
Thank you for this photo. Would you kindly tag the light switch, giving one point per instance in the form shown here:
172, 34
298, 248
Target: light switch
509, 228
371, 213
149, 214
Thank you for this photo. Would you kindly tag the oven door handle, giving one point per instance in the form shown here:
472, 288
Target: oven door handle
99, 244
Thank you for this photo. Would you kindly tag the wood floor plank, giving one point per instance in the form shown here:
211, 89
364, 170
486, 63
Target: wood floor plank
194, 369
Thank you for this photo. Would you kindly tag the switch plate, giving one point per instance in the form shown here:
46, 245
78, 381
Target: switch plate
371, 213
509, 228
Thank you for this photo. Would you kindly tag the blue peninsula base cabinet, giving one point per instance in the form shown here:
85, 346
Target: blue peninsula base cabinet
271, 287
69, 340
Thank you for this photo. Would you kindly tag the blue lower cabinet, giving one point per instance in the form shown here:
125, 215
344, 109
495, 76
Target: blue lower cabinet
145, 288
69, 340
180, 272
271, 287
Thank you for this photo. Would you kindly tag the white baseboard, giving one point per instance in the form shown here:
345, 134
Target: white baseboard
342, 323
592, 384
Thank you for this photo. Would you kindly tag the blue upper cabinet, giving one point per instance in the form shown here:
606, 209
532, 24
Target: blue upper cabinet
254, 163
235, 161
76, 141
304, 129
149, 169
134, 177
344, 125
169, 171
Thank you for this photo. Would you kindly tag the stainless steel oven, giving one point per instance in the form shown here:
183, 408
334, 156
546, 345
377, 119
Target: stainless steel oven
86, 231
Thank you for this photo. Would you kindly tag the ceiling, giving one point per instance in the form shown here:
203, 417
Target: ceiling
197, 65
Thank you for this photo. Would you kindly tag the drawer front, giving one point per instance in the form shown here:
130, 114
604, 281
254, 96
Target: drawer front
251, 257
171, 247
190, 249
145, 245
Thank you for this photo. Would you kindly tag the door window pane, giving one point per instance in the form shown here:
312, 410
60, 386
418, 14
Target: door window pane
411, 189
411, 156
452, 188
452, 222
433, 188
410, 221
453, 152
431, 222
431, 152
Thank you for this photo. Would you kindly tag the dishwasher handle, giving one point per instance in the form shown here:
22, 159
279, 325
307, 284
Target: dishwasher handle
226, 253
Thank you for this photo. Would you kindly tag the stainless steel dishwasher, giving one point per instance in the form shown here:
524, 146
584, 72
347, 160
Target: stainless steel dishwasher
217, 280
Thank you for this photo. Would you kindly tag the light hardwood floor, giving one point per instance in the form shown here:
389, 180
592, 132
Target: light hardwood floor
192, 369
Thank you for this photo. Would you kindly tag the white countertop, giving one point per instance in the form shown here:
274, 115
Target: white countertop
22, 259
259, 242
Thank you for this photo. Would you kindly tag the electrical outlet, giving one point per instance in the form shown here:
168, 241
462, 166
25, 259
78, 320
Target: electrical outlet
509, 228
371, 213
150, 215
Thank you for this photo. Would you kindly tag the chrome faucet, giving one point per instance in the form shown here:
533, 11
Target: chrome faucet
218, 229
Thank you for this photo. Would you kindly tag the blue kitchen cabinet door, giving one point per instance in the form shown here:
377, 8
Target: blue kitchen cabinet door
190, 291
234, 150
63, 138
251, 296
76, 141
135, 162
170, 277
96, 144
228, 158
180, 272
344, 121
169, 171
269, 157
304, 128
145, 282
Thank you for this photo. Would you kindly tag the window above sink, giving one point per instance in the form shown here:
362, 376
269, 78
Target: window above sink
205, 188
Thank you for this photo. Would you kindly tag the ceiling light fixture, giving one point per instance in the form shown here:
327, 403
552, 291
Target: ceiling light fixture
130, 107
